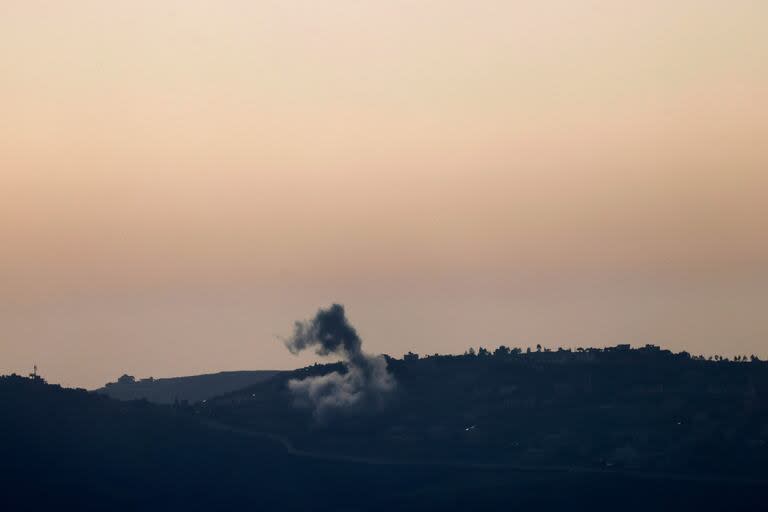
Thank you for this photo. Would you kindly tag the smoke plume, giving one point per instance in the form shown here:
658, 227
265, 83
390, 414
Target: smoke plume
364, 384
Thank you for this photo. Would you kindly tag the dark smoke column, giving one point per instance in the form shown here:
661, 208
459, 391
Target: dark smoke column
362, 387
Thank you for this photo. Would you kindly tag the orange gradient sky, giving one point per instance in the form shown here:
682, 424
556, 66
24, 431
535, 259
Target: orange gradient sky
183, 179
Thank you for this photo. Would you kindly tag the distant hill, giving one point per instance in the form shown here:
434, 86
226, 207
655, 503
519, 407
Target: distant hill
183, 389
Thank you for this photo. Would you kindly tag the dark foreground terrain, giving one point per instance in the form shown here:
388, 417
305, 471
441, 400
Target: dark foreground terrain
65, 449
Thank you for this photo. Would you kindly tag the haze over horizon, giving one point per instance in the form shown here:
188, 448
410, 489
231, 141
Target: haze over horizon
181, 181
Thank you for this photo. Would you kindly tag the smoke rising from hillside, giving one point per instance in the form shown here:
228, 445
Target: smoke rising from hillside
362, 386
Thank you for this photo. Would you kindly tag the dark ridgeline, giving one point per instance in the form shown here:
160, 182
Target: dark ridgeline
589, 429
643, 410
183, 389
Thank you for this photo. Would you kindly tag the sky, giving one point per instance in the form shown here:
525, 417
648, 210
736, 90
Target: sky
182, 180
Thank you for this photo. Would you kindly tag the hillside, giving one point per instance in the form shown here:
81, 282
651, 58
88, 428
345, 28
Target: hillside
644, 410
65, 449
183, 389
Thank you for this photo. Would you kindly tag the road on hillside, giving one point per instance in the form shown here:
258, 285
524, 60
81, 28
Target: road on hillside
337, 457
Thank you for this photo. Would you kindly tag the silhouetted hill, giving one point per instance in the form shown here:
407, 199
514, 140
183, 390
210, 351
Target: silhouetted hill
65, 449
644, 410
190, 389
68, 449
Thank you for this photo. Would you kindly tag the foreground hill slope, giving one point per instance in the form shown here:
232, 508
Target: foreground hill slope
190, 389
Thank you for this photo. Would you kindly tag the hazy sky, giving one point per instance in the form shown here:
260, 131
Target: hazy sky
180, 180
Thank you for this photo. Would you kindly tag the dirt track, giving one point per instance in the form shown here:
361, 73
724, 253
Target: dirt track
334, 457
